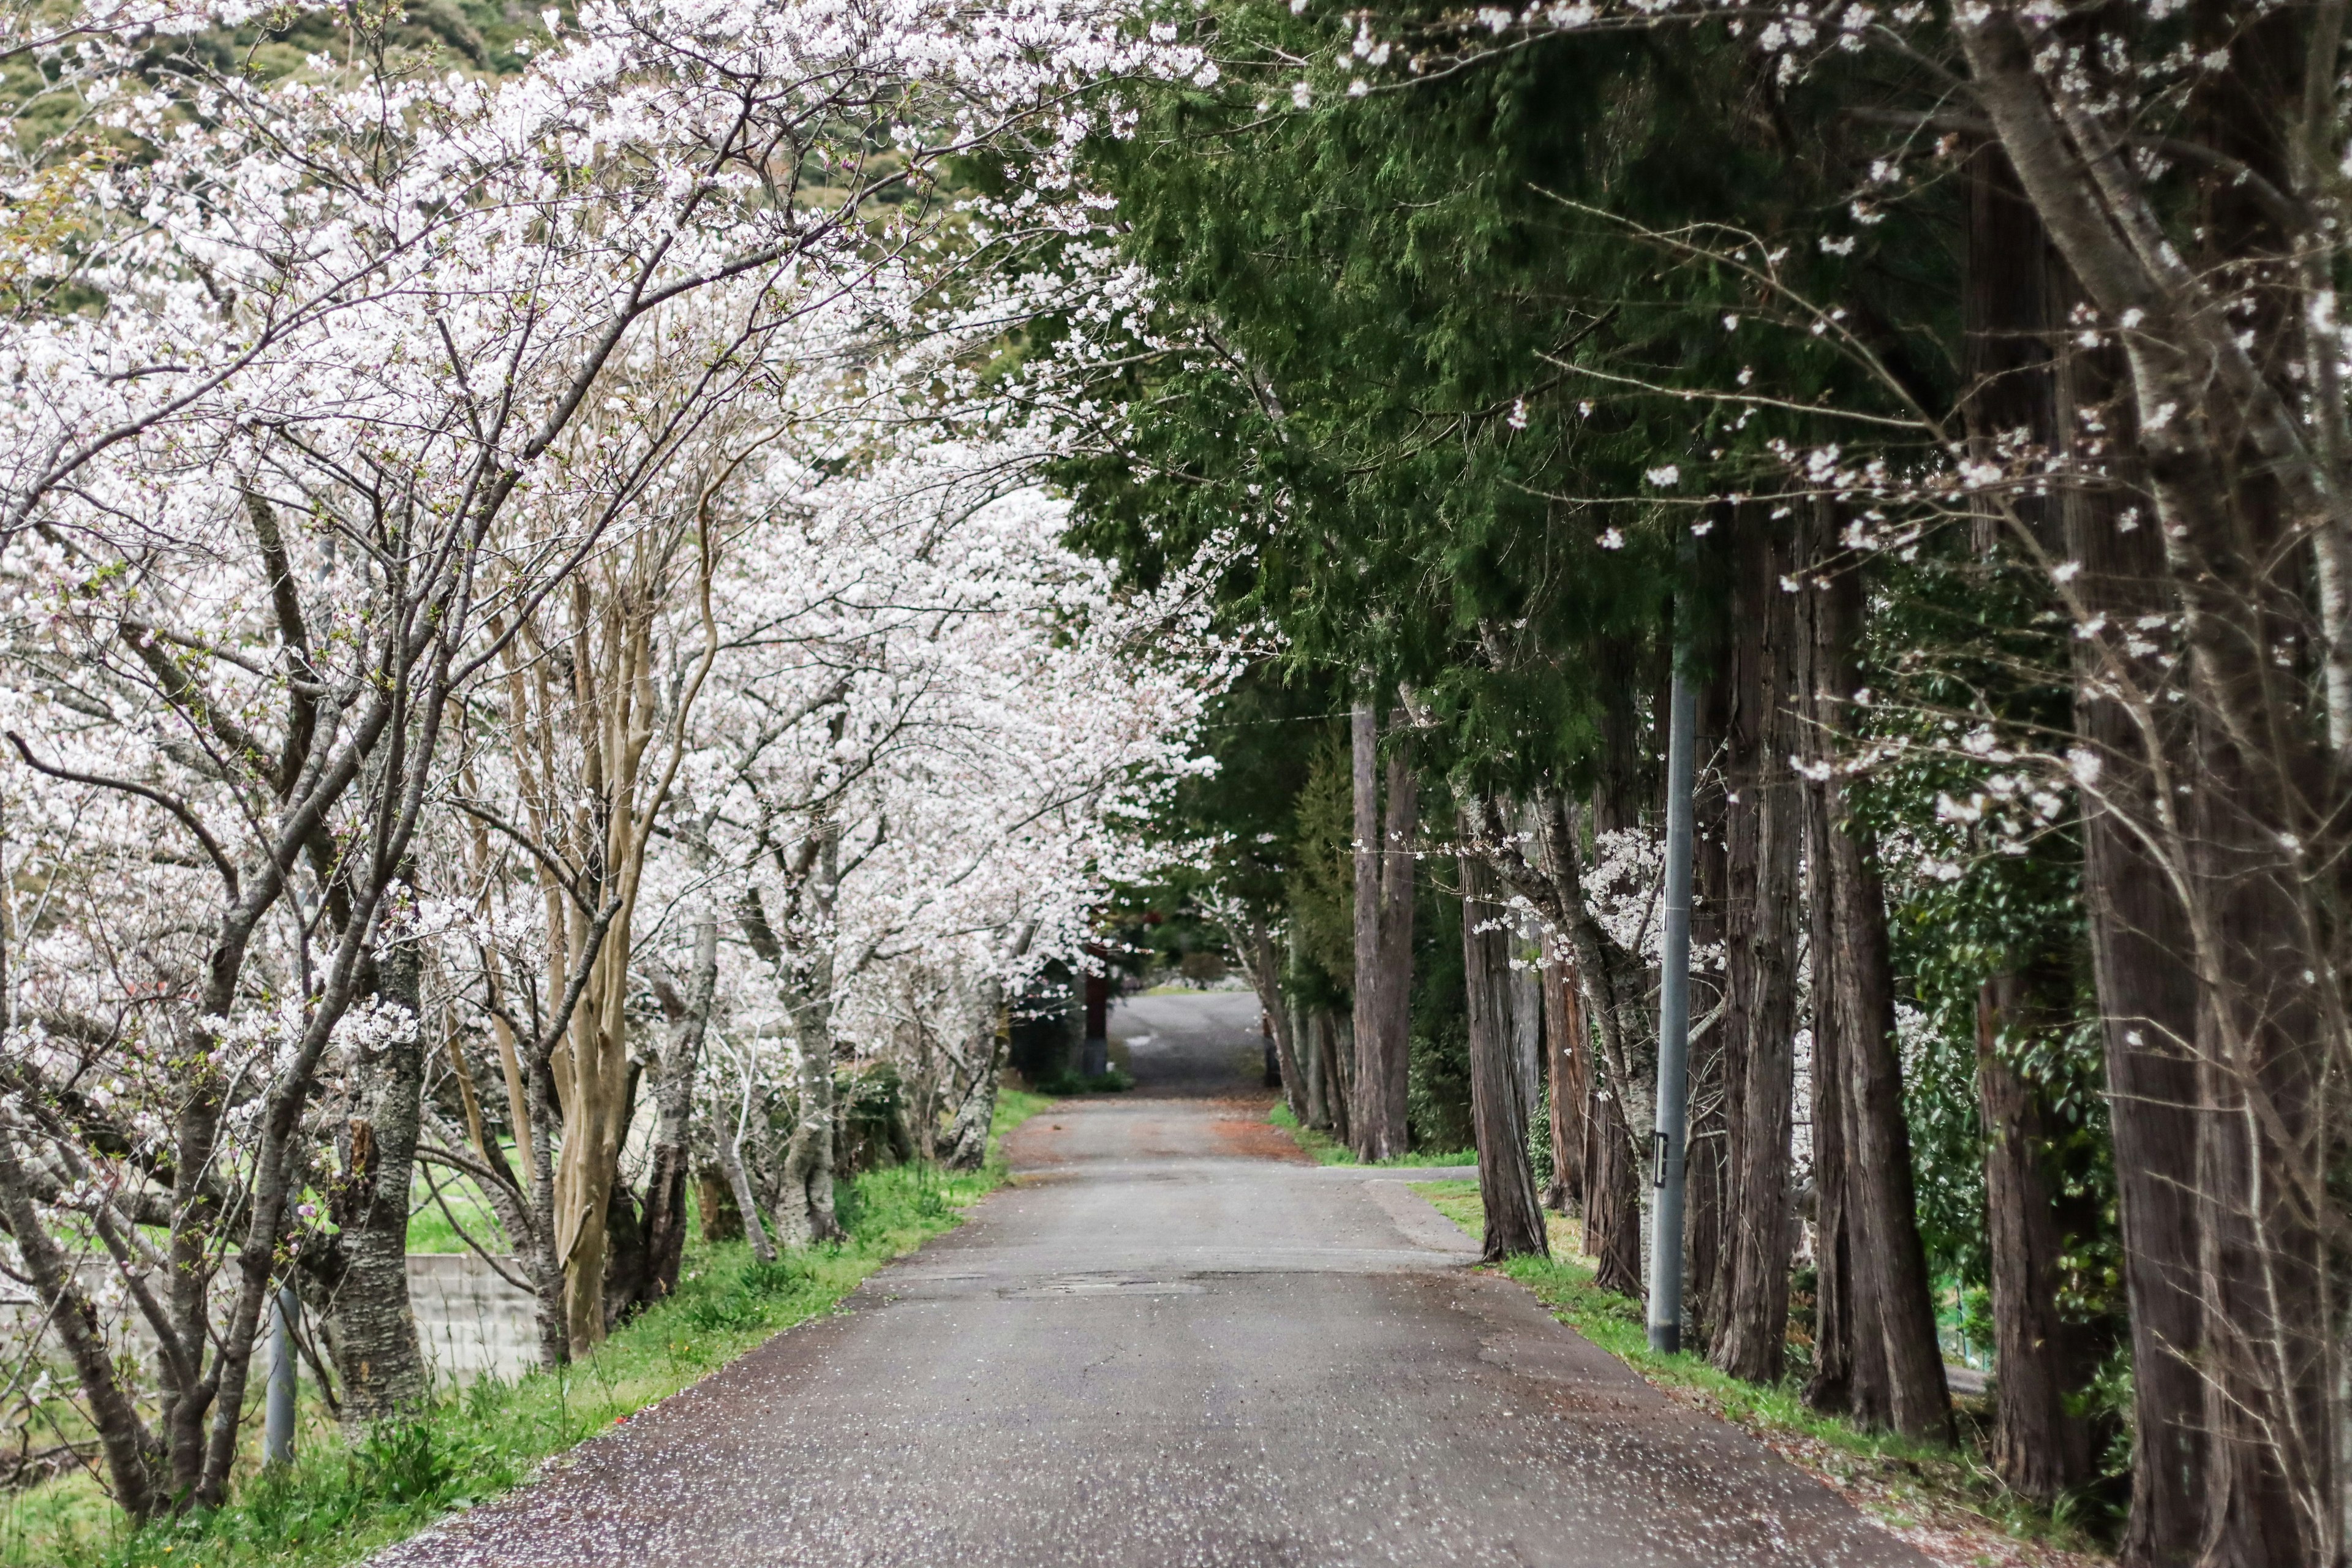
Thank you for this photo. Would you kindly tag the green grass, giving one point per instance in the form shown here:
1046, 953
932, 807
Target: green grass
334, 1505
1906, 1482
430, 1226
1329, 1151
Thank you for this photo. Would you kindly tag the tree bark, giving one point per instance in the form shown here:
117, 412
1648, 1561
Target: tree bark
2243, 493
1363, 738
798, 950
1614, 988
1832, 1387
2010, 322
1714, 1085
2145, 972
1303, 1028
1890, 1263
378, 1360
968, 1134
1499, 1109
1849, 1364
1524, 991
805, 1215
1613, 1205
135, 1458
1336, 1042
1265, 967
1763, 813
2040, 1447
1570, 1079
1383, 906
673, 1153
738, 1183
2267, 786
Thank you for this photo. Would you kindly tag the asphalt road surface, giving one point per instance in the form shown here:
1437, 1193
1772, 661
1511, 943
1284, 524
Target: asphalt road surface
1174, 1343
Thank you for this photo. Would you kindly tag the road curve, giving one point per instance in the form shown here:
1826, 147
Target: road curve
1174, 1344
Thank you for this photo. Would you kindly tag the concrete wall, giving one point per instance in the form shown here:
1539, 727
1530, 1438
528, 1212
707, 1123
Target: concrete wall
470, 1320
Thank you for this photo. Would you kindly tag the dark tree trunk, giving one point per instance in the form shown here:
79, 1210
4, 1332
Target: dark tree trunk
2145, 970
1339, 1058
628, 1277
1764, 814
1612, 1205
2010, 321
2267, 813
688, 1019
2043, 1363
1890, 1263
2040, 1446
1738, 807
1498, 1109
1381, 1123
1849, 1376
1566, 1051
715, 1200
2245, 808
1832, 1386
1265, 978
379, 1361
1376, 1115
1713, 1054
135, 1459
1614, 990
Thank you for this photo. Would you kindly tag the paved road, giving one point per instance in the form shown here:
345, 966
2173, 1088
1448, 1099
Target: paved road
1174, 1344
1200, 1043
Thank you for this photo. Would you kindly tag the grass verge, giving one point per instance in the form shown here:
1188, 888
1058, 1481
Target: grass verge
1325, 1150
1946, 1503
336, 1504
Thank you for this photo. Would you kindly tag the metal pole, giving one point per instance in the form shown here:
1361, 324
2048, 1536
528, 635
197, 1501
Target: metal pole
1670, 1143
278, 1427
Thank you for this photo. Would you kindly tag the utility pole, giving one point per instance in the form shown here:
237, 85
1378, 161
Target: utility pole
278, 1421
1670, 1143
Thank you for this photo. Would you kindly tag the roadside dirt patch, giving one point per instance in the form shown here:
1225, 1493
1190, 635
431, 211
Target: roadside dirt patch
1033, 1142
1245, 1132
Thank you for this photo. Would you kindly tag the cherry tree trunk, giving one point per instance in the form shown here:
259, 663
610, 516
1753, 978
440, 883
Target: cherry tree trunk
373, 1327
968, 1134
672, 1169
747, 1202
135, 1460
805, 1214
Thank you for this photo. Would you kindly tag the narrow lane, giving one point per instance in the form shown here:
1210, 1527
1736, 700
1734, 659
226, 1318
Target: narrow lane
1174, 1343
